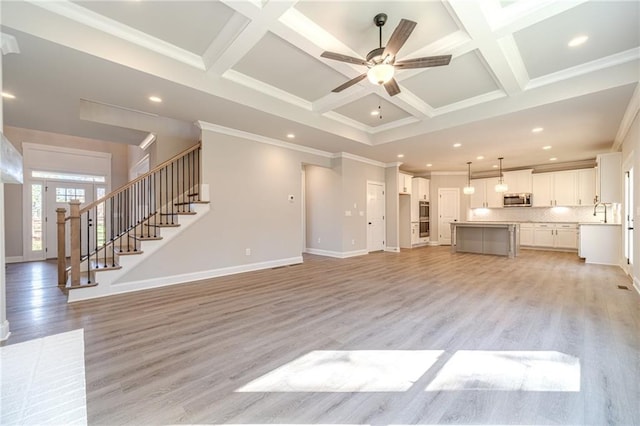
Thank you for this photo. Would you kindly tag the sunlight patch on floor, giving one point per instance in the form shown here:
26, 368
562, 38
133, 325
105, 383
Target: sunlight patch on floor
347, 371
548, 371
43, 381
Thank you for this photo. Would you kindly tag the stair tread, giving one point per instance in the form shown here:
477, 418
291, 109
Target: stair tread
186, 203
145, 237
124, 252
102, 266
84, 282
176, 213
163, 225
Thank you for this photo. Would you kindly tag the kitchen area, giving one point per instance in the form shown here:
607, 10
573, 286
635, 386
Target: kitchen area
577, 210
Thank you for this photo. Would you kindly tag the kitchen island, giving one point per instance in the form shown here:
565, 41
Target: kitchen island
499, 238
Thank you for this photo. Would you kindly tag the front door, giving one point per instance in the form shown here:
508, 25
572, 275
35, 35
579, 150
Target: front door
375, 216
58, 194
448, 211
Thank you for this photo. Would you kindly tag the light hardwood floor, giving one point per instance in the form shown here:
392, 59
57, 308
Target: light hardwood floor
179, 354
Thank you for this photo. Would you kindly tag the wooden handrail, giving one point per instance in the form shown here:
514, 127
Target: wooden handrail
139, 178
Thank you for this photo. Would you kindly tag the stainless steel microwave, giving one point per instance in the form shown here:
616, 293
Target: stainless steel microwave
517, 200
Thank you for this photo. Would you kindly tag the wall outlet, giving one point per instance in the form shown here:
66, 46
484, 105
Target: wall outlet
247, 252
347, 212
318, 240
353, 242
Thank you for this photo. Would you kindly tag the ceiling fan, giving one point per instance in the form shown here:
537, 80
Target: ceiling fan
382, 60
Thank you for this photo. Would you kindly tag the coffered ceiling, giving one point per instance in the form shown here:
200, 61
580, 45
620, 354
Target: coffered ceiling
87, 68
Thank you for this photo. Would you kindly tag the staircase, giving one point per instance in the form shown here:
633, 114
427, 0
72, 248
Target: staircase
112, 235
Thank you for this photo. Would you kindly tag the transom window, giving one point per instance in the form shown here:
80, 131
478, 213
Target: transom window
67, 176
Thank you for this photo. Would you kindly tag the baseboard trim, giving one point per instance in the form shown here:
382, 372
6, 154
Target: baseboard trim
434, 243
14, 259
4, 331
128, 287
636, 285
392, 249
336, 254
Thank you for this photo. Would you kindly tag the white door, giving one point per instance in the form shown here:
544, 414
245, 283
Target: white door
375, 216
58, 195
448, 211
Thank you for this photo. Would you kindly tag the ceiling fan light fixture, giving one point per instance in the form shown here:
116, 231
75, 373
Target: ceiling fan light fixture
380, 73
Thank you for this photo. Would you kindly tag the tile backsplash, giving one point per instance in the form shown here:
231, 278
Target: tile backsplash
544, 214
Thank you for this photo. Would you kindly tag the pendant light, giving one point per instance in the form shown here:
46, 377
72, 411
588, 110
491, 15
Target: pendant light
468, 190
501, 186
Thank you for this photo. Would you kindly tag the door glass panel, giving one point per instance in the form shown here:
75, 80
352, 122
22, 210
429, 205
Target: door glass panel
36, 217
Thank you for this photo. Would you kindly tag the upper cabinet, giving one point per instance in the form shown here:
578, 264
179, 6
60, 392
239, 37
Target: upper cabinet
421, 188
485, 195
609, 177
518, 182
586, 191
566, 188
404, 183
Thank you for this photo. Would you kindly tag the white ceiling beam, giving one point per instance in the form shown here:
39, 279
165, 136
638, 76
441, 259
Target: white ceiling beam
472, 17
524, 14
232, 29
261, 22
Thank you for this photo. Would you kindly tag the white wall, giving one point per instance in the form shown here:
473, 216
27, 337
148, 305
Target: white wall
323, 201
631, 147
249, 187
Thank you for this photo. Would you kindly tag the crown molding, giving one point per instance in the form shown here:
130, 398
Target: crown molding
203, 125
360, 159
101, 23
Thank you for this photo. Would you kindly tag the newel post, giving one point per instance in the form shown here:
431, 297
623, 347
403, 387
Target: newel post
74, 217
62, 256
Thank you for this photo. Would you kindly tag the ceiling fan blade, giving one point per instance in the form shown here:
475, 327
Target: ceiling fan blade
399, 37
430, 61
343, 58
350, 83
392, 87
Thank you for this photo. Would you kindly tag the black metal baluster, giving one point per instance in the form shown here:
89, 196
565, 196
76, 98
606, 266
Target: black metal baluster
88, 248
113, 243
173, 177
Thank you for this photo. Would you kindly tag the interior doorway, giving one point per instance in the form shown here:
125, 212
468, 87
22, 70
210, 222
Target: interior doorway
448, 211
376, 228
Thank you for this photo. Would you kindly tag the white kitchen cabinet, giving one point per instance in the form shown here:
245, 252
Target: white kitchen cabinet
526, 234
422, 188
586, 187
566, 236
554, 189
554, 235
601, 243
485, 196
543, 234
404, 183
609, 177
415, 233
518, 182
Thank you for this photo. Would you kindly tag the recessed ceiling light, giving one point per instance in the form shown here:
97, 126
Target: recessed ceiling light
429, 164
546, 147
400, 155
578, 40
155, 99
552, 159
537, 130
375, 112
457, 145
8, 95
480, 157
495, 166
291, 135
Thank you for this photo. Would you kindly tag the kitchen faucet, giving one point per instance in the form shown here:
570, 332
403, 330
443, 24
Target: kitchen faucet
605, 210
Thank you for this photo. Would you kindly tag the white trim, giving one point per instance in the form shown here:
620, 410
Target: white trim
76, 295
14, 259
589, 67
59, 149
636, 285
468, 103
4, 331
449, 173
360, 159
629, 115
99, 22
392, 249
274, 92
336, 254
203, 125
